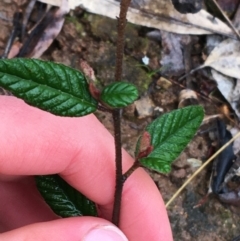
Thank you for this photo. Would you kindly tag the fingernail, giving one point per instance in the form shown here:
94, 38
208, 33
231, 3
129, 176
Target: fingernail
105, 233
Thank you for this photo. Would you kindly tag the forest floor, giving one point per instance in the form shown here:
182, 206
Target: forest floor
93, 38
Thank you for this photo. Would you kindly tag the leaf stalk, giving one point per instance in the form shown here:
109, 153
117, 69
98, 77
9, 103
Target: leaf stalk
135, 165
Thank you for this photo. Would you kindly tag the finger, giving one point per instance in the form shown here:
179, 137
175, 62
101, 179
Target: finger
82, 151
22, 204
70, 229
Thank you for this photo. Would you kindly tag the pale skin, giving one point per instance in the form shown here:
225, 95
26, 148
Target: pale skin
81, 150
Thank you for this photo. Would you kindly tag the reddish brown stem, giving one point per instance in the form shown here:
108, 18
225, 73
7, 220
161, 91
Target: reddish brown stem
119, 176
116, 113
135, 165
122, 20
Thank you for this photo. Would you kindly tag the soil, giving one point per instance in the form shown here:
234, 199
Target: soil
93, 38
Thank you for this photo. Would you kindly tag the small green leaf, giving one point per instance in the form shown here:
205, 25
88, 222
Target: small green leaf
170, 134
64, 200
119, 94
49, 86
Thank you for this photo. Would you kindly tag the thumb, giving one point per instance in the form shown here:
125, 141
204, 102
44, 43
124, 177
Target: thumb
68, 229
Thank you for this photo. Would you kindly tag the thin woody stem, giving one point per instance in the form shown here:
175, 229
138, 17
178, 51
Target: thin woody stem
122, 20
119, 177
116, 113
103, 108
135, 165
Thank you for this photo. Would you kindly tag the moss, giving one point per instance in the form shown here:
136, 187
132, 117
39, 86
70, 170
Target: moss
133, 73
103, 60
225, 214
103, 27
133, 40
78, 25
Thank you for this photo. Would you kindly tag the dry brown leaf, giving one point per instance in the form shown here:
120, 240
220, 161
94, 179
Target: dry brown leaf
52, 2
174, 46
158, 14
225, 58
230, 89
155, 14
172, 53
51, 31
14, 50
235, 98
225, 84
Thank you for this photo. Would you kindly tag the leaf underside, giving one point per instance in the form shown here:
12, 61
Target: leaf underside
119, 94
170, 134
64, 200
53, 87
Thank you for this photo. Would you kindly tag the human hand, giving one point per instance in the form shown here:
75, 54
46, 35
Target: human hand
81, 150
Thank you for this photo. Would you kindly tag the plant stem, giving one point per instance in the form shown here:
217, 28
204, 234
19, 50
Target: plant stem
120, 39
119, 176
116, 113
103, 108
135, 165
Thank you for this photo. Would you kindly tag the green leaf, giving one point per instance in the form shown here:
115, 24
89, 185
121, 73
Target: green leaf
49, 86
170, 134
119, 94
64, 200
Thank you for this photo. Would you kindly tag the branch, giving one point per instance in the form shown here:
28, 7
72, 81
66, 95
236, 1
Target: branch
116, 113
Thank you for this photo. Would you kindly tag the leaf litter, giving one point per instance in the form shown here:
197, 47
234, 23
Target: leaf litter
158, 14
225, 58
192, 228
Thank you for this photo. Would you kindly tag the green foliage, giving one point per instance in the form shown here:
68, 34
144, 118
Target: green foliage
64, 200
64, 91
49, 86
119, 94
170, 134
